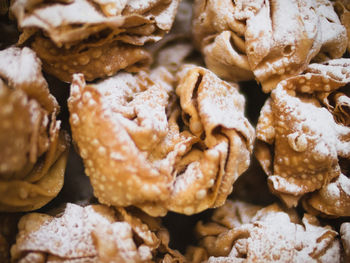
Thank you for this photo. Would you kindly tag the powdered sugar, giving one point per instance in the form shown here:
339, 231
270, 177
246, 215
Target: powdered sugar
71, 241
322, 131
272, 235
344, 183
333, 190
135, 5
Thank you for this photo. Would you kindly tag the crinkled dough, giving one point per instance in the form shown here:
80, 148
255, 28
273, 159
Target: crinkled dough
268, 234
96, 38
95, 233
182, 152
266, 40
33, 150
304, 139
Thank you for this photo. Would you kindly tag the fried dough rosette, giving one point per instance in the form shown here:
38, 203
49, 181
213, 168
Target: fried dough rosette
266, 40
146, 146
95, 233
240, 232
33, 150
96, 38
304, 139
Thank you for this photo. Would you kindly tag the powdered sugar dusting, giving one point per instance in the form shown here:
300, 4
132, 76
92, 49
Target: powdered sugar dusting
344, 183
318, 123
333, 190
321, 128
135, 5
273, 235
166, 18
71, 241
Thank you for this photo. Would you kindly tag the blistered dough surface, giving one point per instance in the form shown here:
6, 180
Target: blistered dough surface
304, 137
181, 150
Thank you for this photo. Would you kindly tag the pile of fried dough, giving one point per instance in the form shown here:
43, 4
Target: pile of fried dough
174, 131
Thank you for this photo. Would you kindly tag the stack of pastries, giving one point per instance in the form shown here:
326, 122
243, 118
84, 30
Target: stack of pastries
174, 131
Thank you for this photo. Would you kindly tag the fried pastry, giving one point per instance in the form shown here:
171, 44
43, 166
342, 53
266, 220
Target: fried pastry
95, 233
304, 139
146, 146
96, 38
266, 40
269, 234
33, 150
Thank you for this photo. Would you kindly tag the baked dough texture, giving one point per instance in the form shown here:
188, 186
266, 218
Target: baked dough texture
96, 38
266, 40
303, 137
33, 149
161, 142
92, 234
241, 232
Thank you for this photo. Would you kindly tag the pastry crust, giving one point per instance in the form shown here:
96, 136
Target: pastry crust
96, 38
34, 151
303, 132
266, 40
139, 142
95, 233
270, 234
99, 61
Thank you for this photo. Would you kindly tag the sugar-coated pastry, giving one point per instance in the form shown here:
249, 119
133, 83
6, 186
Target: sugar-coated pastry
241, 232
94, 233
96, 38
144, 144
304, 139
33, 150
266, 40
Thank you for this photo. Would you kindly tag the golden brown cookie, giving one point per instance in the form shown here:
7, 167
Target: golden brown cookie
269, 234
34, 151
96, 38
95, 233
304, 139
266, 40
144, 145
